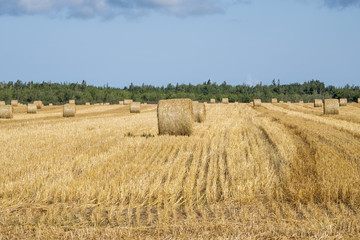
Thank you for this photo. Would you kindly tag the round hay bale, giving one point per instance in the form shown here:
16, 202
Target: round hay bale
225, 100
281, 101
318, 103
343, 102
127, 101
72, 101
288, 102
199, 110
301, 102
134, 107
50, 104
31, 108
331, 106
274, 100
107, 104
358, 100
38, 104
257, 102
14, 103
175, 116
121, 102
2, 103
69, 110
87, 104
212, 100
6, 111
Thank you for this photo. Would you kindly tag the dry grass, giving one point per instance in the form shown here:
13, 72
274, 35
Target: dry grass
199, 110
246, 173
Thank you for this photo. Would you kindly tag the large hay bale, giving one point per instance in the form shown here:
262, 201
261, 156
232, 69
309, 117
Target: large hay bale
31, 108
121, 102
69, 110
225, 100
175, 116
212, 100
72, 101
199, 110
2, 103
127, 101
343, 101
257, 102
274, 100
135, 107
6, 111
318, 103
38, 104
14, 103
87, 104
331, 106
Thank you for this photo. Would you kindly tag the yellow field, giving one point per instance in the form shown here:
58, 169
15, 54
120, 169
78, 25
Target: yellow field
279, 171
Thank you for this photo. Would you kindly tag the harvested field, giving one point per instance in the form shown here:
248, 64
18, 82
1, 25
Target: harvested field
277, 171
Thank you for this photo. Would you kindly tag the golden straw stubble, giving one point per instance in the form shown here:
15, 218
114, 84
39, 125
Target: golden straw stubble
31, 108
331, 106
175, 117
318, 103
343, 102
69, 110
257, 102
199, 110
6, 111
135, 107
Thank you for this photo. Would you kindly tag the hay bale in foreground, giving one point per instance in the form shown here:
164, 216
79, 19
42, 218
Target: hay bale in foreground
274, 100
225, 100
331, 106
121, 102
72, 101
175, 116
38, 104
6, 111
199, 110
87, 104
318, 103
31, 108
127, 101
343, 102
14, 103
257, 102
212, 100
2, 103
69, 110
135, 107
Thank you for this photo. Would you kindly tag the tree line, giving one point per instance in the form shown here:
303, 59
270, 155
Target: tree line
60, 93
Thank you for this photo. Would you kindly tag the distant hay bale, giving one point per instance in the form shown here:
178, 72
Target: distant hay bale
121, 102
281, 101
69, 110
38, 104
343, 102
274, 100
127, 101
257, 102
14, 103
72, 101
50, 104
301, 102
87, 104
331, 106
135, 107
31, 108
107, 104
212, 100
2, 103
175, 117
318, 103
225, 100
96, 104
358, 100
199, 111
6, 111
145, 103
101, 104
288, 102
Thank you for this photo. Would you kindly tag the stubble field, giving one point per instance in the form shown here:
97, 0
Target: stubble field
279, 171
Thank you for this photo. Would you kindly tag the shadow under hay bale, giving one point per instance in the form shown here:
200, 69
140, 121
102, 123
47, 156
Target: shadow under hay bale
69, 110
175, 117
6, 111
331, 106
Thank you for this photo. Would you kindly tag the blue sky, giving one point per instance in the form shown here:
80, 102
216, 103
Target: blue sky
180, 41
